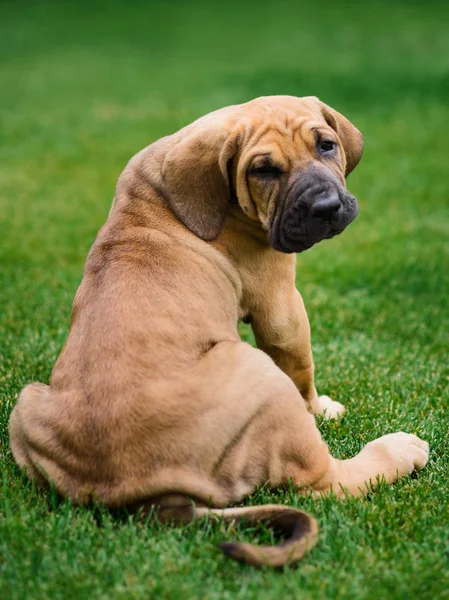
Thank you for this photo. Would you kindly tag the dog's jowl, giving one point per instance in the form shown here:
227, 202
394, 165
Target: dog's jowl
155, 401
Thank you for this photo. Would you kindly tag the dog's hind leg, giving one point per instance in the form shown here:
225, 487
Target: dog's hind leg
386, 458
306, 460
22, 431
256, 428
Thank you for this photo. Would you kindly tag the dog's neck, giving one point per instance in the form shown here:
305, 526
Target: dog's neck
247, 226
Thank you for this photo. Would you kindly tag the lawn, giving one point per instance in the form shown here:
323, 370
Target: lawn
83, 86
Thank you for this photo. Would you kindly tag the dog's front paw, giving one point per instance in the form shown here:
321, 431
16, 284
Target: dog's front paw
328, 408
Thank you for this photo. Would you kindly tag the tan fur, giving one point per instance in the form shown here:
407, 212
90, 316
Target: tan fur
154, 395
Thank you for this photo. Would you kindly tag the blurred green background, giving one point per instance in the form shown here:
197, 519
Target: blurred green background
85, 85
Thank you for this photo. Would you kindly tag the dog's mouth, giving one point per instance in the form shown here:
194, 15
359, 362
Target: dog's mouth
315, 210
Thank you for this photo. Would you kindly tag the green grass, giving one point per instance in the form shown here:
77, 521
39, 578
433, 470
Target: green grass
82, 88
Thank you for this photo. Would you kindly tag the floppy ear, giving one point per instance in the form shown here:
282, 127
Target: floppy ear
196, 181
350, 136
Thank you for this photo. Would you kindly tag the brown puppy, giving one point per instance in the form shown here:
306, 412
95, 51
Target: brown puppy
155, 400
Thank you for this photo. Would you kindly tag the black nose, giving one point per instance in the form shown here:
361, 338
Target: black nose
326, 207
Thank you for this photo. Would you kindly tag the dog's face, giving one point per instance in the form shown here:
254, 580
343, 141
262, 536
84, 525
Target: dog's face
296, 179
284, 159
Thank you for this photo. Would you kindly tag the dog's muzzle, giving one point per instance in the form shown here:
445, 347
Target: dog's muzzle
317, 207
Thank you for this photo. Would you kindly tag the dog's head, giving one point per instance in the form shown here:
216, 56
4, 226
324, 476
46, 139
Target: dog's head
284, 159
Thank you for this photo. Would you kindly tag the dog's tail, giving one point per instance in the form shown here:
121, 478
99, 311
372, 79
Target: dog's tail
300, 531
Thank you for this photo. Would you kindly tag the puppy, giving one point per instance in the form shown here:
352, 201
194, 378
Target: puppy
155, 402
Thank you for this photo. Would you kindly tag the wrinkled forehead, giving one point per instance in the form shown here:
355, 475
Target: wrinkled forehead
282, 124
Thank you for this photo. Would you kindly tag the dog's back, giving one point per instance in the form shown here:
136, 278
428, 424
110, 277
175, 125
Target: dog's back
126, 360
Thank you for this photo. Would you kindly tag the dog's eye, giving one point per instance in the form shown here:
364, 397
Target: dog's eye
326, 146
265, 171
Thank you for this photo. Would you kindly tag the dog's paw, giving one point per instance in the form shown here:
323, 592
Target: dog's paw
328, 408
404, 452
